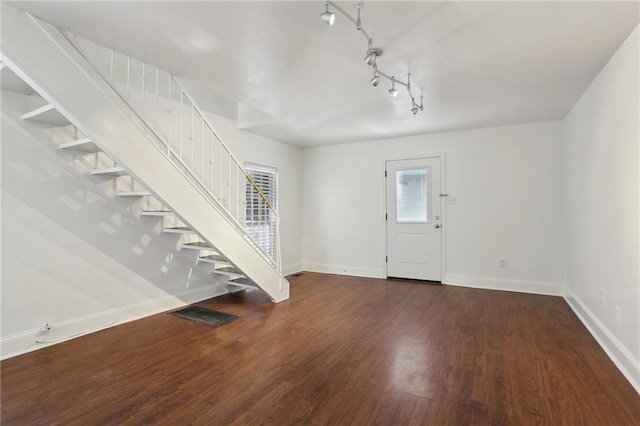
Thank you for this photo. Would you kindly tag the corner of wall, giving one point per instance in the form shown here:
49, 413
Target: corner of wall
628, 365
599, 135
292, 269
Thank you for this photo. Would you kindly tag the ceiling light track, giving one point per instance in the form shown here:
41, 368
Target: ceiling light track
372, 54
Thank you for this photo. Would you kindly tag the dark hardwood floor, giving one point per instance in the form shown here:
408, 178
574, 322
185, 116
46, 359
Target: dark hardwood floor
342, 350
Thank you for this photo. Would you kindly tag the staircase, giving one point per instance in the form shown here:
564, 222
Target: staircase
157, 146
207, 254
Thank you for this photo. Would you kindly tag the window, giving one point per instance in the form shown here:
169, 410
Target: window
412, 195
261, 223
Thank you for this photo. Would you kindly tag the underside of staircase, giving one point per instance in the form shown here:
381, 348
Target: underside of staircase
71, 94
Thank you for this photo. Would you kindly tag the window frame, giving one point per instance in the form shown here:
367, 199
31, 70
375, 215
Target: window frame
268, 180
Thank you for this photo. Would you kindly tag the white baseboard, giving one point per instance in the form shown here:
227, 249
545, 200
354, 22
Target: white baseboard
26, 341
534, 287
292, 269
345, 270
628, 365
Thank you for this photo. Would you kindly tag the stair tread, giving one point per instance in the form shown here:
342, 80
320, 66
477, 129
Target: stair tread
229, 270
178, 229
84, 144
234, 288
46, 114
133, 193
156, 213
243, 281
198, 245
153, 212
34, 113
213, 258
116, 170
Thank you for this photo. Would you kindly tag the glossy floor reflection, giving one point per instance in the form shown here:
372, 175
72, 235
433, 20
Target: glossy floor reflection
342, 350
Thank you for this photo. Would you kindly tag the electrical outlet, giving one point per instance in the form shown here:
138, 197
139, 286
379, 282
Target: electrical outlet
502, 263
618, 315
451, 200
602, 296
45, 328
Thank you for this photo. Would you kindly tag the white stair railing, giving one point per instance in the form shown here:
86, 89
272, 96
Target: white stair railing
190, 141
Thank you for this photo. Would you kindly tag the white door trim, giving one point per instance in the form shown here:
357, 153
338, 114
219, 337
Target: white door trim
443, 208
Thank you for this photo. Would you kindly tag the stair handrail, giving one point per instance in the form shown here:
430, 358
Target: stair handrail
273, 259
213, 130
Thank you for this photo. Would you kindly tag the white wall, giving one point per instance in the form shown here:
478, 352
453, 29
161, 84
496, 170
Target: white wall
602, 134
508, 185
73, 256
248, 147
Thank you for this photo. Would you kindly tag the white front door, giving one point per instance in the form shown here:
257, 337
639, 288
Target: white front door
413, 219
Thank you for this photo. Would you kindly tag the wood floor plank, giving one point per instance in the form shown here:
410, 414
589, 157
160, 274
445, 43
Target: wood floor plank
341, 350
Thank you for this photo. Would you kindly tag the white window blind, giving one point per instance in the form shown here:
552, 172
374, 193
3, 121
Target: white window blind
261, 222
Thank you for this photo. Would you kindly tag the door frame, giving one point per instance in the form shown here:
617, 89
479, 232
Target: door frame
443, 209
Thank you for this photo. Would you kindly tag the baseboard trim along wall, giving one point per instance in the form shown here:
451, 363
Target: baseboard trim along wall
27, 341
533, 287
345, 270
628, 365
292, 269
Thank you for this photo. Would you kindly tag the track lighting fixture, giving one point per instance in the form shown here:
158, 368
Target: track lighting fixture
372, 54
327, 17
375, 80
393, 91
416, 108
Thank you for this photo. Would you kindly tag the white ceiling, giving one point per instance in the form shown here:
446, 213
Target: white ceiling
478, 64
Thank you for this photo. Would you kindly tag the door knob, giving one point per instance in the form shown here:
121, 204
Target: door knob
437, 225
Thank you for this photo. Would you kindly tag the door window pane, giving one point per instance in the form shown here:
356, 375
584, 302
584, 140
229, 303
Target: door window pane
412, 195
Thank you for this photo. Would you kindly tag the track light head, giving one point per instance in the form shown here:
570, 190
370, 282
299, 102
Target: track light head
372, 55
393, 92
415, 107
327, 17
375, 80
370, 58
